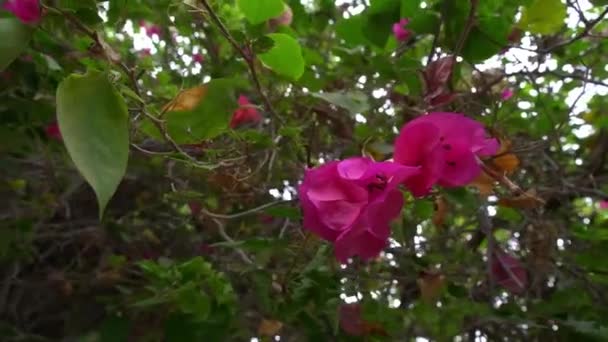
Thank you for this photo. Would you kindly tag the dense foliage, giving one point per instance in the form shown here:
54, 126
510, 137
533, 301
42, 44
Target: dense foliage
152, 156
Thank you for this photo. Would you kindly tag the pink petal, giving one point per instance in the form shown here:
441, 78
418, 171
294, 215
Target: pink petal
358, 242
415, 141
461, 166
338, 215
354, 168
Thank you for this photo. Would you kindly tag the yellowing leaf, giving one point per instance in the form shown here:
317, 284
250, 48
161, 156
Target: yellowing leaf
503, 163
187, 99
441, 210
269, 327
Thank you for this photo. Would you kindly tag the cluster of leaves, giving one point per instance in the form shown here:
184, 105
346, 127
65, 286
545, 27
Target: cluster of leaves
149, 218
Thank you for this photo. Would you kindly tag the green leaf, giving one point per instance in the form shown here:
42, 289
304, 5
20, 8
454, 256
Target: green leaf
486, 39
284, 211
285, 57
115, 329
93, 121
543, 16
209, 118
351, 30
14, 39
258, 11
353, 101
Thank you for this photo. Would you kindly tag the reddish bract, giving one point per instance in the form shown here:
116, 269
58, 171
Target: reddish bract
198, 58
509, 272
246, 113
52, 131
436, 76
28, 11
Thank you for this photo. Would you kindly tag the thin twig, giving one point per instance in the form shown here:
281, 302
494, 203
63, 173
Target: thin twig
248, 56
244, 213
221, 229
581, 35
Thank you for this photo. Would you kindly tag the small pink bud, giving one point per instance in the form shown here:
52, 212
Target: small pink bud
399, 31
506, 94
284, 19
52, 131
198, 58
150, 29
604, 204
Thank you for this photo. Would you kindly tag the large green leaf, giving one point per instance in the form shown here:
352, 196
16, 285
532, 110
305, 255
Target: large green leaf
486, 39
258, 11
543, 16
93, 121
14, 38
285, 57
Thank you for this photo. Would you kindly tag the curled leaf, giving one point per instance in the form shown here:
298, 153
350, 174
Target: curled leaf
504, 162
187, 99
527, 200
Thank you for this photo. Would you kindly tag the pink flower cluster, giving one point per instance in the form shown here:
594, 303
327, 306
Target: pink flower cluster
352, 202
28, 11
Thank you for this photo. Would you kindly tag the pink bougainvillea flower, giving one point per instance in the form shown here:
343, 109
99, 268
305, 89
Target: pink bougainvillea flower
52, 131
150, 29
198, 58
604, 205
245, 113
506, 94
446, 147
509, 272
352, 202
399, 30
28, 11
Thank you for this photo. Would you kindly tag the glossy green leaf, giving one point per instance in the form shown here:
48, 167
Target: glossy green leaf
285, 57
93, 121
14, 39
258, 11
543, 16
